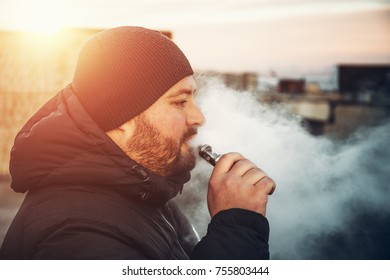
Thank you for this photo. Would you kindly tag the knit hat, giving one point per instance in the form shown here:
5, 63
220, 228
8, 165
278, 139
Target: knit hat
122, 71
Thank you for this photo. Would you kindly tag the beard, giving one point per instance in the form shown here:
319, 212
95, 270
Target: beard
158, 152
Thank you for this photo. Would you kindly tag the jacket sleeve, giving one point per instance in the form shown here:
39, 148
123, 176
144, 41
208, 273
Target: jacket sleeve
78, 241
234, 234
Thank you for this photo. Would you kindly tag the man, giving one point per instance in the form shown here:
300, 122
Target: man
102, 160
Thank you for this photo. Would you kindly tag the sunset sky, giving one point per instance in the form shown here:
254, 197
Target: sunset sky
287, 36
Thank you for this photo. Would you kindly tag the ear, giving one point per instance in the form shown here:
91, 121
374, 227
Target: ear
122, 134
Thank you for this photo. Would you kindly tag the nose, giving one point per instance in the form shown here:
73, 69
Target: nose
195, 116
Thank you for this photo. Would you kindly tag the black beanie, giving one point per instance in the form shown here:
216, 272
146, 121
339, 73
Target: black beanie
122, 71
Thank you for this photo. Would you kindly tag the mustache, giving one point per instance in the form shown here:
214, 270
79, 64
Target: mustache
190, 132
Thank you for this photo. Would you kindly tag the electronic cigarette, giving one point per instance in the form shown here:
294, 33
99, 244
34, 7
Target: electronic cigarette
206, 152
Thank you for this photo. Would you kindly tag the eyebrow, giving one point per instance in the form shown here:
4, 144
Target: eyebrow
183, 91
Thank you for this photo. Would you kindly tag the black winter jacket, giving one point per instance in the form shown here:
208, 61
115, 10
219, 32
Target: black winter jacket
87, 200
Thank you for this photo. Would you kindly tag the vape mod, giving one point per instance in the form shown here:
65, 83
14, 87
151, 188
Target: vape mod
206, 152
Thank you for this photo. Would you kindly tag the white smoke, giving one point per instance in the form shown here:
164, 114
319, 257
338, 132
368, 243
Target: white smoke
323, 187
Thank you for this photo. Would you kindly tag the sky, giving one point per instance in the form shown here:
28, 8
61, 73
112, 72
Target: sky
286, 36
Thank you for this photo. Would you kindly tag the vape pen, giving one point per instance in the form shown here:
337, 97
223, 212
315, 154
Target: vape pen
206, 152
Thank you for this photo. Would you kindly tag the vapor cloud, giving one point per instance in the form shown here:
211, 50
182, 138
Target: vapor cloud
331, 200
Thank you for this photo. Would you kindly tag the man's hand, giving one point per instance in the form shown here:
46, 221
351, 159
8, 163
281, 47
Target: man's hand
237, 182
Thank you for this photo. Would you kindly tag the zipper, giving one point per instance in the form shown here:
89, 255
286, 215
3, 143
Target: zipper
174, 231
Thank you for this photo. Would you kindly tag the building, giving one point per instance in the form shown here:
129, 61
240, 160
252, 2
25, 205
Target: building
292, 86
368, 83
242, 82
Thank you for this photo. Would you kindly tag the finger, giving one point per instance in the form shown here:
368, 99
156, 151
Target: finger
254, 175
267, 185
241, 167
226, 162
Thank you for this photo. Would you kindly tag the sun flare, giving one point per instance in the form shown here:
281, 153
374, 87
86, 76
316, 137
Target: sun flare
41, 16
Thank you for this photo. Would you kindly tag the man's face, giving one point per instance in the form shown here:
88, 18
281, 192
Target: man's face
160, 138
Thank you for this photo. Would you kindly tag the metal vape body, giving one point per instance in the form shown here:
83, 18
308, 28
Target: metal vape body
206, 152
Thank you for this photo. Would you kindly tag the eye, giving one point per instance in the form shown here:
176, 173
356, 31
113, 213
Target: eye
181, 103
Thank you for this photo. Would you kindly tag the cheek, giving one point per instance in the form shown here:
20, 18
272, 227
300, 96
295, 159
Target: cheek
172, 126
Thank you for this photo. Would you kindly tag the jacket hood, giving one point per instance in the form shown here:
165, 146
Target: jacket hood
62, 145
